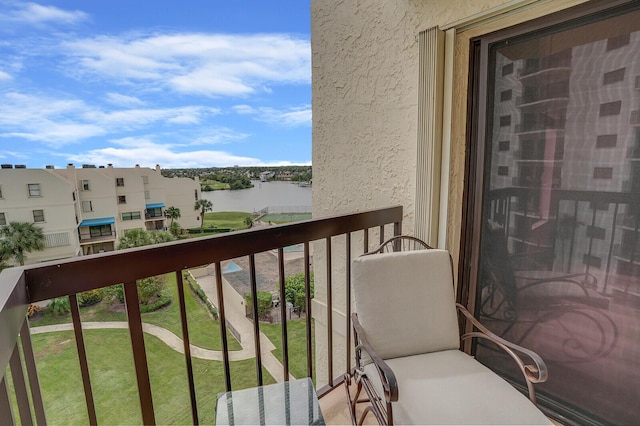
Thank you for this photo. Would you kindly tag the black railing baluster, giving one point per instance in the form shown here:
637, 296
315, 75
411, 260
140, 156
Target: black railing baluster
256, 320
613, 232
82, 358
329, 313
223, 328
187, 347
32, 373
348, 299
139, 352
381, 235
20, 388
366, 240
283, 314
5, 404
307, 297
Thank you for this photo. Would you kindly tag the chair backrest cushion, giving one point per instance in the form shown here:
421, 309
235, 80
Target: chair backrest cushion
405, 302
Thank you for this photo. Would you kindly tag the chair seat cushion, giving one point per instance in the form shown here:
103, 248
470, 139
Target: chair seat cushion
451, 387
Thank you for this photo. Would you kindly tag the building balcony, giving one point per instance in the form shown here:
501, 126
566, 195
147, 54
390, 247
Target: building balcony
27, 400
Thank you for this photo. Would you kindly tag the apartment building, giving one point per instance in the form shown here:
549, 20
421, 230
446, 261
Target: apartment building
84, 210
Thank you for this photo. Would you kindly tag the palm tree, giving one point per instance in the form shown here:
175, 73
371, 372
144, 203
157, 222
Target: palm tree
173, 213
204, 206
19, 238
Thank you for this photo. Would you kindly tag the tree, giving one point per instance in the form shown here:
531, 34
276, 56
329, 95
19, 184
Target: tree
19, 238
294, 291
248, 221
150, 289
173, 213
204, 206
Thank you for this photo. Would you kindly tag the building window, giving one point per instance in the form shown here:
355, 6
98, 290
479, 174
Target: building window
619, 41
84, 185
504, 145
505, 120
606, 141
613, 76
610, 108
38, 215
196, 193
507, 69
131, 215
147, 195
3, 219
145, 180
503, 171
122, 199
34, 189
87, 206
0, 192
602, 172
119, 181
505, 95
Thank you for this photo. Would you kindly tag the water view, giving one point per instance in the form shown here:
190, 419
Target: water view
263, 194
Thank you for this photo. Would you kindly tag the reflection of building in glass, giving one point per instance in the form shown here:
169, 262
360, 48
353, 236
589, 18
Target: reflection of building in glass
565, 122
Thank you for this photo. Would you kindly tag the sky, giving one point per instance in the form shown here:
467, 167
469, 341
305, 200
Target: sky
188, 83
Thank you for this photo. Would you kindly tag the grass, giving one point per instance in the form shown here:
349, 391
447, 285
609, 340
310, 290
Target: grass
214, 185
231, 220
114, 384
285, 217
203, 331
297, 338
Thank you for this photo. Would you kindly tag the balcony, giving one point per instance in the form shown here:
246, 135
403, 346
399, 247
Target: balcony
348, 234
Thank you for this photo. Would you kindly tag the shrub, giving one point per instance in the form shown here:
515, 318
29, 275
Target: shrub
90, 297
265, 300
59, 305
32, 310
193, 285
294, 291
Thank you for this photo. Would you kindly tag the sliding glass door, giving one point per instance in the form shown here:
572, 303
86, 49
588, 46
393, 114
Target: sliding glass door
553, 235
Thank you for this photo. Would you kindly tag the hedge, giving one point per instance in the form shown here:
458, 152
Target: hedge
195, 287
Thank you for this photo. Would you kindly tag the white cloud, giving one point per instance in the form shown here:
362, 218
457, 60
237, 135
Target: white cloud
147, 153
123, 100
57, 122
33, 13
204, 64
291, 117
243, 109
5, 76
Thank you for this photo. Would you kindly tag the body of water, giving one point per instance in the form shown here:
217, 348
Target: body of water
263, 194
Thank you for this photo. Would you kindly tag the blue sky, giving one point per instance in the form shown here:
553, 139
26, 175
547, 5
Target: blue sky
189, 83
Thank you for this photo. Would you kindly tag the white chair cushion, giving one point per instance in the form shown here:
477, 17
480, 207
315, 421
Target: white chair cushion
405, 302
451, 387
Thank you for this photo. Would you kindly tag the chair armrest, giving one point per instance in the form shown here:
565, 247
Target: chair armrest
533, 373
387, 377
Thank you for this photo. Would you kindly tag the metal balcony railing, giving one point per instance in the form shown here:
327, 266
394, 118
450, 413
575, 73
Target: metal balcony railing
21, 286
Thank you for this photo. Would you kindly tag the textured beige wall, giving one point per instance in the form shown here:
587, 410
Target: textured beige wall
365, 88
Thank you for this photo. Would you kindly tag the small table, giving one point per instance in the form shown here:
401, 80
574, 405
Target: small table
291, 403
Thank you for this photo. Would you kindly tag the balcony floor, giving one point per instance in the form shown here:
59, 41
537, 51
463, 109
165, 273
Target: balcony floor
335, 408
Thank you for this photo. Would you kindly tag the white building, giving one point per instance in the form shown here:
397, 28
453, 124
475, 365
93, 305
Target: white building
85, 210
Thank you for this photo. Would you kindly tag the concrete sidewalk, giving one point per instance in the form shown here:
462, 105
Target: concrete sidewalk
235, 315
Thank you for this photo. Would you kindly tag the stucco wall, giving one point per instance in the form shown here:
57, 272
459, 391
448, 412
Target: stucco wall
365, 88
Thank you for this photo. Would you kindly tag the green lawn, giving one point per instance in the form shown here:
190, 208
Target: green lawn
285, 217
231, 220
203, 331
297, 338
114, 384
214, 185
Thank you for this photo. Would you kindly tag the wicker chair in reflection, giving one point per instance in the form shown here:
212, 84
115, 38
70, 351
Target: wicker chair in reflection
566, 308
407, 338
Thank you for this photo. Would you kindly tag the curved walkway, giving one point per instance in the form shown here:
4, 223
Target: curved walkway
170, 339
